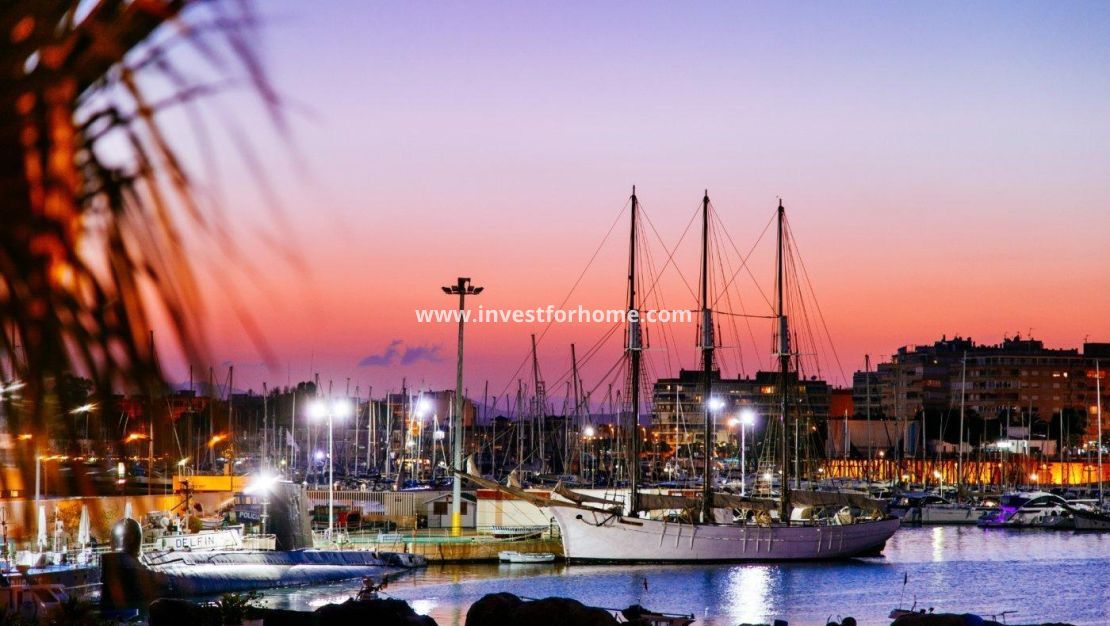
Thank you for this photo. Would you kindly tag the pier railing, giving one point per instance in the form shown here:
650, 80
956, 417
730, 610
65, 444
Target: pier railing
398, 538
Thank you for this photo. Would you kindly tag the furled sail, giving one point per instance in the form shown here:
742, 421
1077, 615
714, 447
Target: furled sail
839, 498
583, 498
733, 501
533, 498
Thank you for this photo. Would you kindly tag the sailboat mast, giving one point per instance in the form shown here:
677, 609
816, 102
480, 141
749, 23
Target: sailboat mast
634, 366
577, 404
707, 365
783, 349
867, 391
1098, 396
539, 408
960, 451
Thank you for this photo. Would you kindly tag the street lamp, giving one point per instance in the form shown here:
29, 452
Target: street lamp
318, 410
84, 409
462, 288
747, 418
715, 405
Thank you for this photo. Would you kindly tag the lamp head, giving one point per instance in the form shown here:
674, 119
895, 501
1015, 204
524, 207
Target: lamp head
342, 408
747, 417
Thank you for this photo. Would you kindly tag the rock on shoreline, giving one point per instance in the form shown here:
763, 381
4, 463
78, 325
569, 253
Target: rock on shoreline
495, 609
951, 619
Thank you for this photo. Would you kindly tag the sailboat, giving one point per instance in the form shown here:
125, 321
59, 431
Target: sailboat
598, 531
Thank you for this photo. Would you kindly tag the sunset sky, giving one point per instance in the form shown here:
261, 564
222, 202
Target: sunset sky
944, 166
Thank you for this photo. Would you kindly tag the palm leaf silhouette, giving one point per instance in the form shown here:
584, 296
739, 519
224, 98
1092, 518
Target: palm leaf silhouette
94, 197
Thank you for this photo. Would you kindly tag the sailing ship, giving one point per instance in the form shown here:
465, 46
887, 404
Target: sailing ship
593, 529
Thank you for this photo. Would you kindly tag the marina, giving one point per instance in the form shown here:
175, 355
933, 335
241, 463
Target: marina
477, 314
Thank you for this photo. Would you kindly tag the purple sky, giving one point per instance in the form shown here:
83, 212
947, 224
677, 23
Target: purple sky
944, 165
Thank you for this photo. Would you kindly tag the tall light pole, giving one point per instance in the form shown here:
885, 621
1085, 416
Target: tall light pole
330, 410
747, 418
462, 288
588, 433
84, 409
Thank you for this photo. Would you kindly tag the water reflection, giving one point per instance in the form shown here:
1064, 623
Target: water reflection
748, 596
1045, 576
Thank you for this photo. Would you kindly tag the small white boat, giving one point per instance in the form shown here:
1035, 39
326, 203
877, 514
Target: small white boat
511, 556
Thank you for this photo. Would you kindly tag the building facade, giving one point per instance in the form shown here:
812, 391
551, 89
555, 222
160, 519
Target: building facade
678, 409
1018, 381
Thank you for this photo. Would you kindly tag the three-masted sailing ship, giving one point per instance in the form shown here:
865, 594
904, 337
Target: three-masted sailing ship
597, 529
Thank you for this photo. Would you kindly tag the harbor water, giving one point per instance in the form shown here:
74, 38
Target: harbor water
1035, 576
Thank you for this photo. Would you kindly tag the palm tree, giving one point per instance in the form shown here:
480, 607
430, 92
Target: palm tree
91, 245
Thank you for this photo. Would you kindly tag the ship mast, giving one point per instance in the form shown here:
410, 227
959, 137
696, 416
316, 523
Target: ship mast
707, 364
539, 410
634, 348
783, 353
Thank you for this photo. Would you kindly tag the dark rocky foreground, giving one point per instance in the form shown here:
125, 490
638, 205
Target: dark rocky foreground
951, 619
497, 609
385, 612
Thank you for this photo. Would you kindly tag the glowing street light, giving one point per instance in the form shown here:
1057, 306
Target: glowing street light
318, 410
588, 433
747, 418
84, 409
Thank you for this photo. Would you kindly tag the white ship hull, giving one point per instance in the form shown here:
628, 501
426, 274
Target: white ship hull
600, 536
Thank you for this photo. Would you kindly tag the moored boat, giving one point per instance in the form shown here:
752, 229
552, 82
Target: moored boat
927, 509
1090, 519
129, 577
810, 524
1037, 509
511, 556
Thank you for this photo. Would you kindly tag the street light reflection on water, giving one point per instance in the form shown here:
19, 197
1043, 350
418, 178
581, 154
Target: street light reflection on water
748, 598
